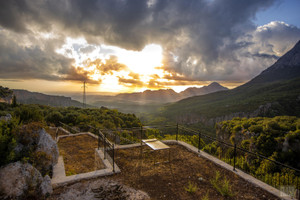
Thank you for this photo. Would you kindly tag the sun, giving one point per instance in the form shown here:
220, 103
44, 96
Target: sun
143, 62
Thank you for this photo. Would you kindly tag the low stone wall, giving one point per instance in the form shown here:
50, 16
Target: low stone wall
73, 135
60, 179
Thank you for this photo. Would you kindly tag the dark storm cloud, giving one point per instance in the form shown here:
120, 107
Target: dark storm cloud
201, 39
107, 66
29, 57
265, 55
28, 62
79, 74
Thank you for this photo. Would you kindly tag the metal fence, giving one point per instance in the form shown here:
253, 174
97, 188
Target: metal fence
69, 128
283, 177
107, 146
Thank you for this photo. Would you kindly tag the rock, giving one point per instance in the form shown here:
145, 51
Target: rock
21, 181
48, 145
6, 118
100, 189
45, 187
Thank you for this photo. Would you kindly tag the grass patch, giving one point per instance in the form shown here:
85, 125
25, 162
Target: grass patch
205, 197
223, 187
191, 188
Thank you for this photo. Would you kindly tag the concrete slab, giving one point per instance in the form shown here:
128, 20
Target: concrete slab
59, 169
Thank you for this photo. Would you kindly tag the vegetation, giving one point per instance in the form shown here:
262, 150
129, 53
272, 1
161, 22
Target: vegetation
277, 138
19, 143
205, 197
4, 92
7, 141
223, 187
100, 118
191, 188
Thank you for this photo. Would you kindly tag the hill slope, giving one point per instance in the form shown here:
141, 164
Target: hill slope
276, 91
26, 97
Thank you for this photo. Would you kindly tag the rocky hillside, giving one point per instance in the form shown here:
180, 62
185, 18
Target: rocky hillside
287, 67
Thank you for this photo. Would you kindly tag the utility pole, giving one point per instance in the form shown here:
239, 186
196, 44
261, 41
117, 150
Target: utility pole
84, 96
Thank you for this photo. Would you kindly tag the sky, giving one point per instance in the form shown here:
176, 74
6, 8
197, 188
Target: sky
53, 46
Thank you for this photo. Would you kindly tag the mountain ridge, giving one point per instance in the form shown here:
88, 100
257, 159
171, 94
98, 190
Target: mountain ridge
286, 67
169, 95
268, 94
28, 97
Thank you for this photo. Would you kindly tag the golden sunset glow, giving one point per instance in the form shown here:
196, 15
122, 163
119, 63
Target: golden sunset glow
117, 69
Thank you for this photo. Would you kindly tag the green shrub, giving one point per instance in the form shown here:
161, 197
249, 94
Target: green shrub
7, 142
223, 187
191, 188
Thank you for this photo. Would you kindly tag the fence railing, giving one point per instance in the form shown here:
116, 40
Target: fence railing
107, 146
69, 128
279, 175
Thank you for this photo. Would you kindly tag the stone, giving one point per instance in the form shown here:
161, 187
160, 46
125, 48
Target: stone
100, 189
21, 181
48, 145
6, 118
45, 187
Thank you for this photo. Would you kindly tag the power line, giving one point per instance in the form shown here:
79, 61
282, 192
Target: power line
84, 95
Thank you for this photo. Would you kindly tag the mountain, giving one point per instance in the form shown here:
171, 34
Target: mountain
26, 97
276, 91
169, 95
162, 95
193, 91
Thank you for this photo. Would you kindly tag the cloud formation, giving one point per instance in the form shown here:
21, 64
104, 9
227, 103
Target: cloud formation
202, 40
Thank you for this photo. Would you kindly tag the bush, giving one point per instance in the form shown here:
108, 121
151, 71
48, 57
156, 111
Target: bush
223, 187
191, 188
7, 142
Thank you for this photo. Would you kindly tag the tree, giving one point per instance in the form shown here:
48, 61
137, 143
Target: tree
14, 101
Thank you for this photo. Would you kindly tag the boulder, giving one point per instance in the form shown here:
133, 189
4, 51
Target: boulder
6, 117
21, 181
48, 145
46, 187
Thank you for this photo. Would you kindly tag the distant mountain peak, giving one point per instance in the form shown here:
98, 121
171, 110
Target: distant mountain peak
214, 84
193, 91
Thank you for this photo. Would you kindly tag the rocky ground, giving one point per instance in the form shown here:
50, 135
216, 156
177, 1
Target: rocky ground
98, 189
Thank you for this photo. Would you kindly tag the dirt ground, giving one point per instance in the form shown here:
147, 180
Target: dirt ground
169, 180
79, 154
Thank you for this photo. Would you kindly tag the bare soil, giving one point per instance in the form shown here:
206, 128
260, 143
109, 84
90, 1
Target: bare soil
79, 154
170, 180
